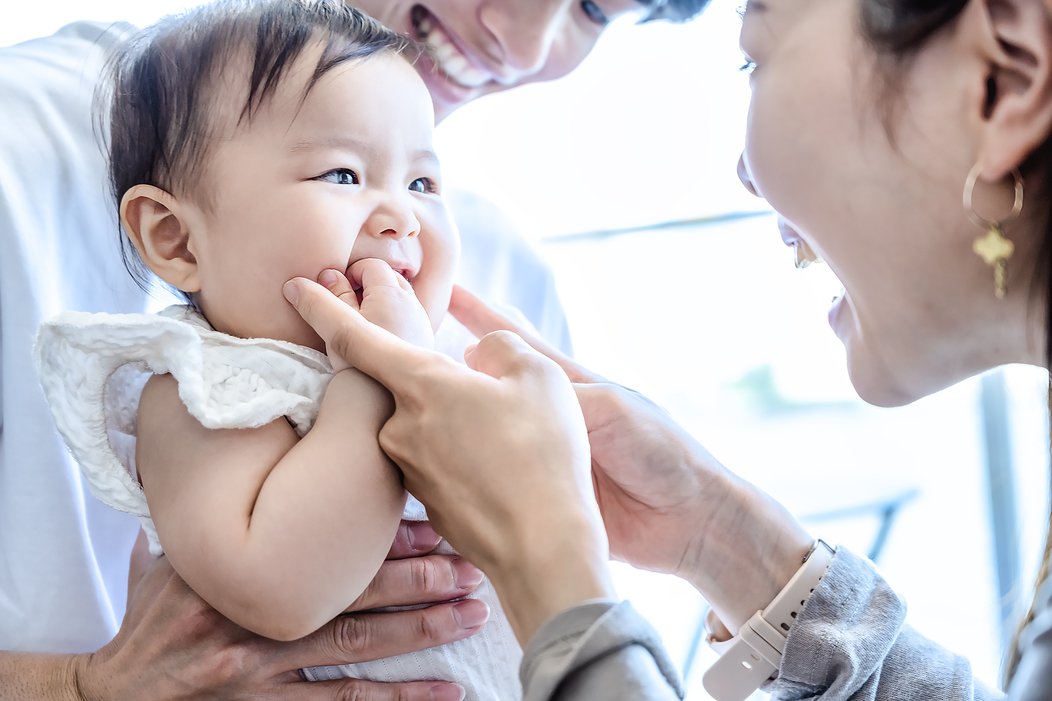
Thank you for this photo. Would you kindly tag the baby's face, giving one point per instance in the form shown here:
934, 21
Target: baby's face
348, 174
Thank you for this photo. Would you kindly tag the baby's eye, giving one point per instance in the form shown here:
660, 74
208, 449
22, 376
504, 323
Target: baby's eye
592, 12
340, 176
423, 185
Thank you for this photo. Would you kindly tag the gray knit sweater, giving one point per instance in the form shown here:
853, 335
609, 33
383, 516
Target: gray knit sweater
850, 643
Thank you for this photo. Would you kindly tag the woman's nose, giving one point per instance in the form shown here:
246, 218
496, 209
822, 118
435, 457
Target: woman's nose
524, 31
743, 175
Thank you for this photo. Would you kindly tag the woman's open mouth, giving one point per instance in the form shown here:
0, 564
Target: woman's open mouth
445, 52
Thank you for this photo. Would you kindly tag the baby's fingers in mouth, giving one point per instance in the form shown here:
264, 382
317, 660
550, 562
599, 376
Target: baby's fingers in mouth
373, 272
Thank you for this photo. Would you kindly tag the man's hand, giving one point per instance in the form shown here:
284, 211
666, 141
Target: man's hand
173, 645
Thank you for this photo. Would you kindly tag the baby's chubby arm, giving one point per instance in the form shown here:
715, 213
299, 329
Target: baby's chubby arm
279, 534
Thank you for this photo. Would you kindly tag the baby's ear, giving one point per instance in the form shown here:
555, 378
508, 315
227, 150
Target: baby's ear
152, 219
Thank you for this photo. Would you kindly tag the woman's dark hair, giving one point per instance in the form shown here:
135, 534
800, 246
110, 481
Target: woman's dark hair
898, 29
161, 112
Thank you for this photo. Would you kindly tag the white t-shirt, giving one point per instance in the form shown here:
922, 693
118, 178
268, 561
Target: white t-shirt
63, 554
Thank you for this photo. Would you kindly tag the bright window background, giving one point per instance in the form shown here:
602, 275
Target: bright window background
713, 322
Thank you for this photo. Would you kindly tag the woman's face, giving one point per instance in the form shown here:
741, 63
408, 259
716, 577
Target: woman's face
481, 47
870, 174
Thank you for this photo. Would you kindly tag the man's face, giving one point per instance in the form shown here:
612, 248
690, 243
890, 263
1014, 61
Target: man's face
485, 46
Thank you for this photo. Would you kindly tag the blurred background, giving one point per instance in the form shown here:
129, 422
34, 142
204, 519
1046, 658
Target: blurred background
676, 283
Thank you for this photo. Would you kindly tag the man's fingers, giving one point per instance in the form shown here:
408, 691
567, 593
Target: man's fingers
358, 690
369, 348
338, 284
419, 580
363, 637
480, 319
414, 538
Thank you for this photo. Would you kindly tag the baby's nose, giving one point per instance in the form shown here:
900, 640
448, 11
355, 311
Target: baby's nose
392, 219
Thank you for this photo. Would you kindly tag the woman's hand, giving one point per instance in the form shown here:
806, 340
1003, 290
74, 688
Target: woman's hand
667, 503
498, 452
173, 645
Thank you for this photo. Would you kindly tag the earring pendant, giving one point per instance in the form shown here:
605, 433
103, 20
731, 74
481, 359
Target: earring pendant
995, 250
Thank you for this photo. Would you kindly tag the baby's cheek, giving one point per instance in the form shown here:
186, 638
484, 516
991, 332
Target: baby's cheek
434, 285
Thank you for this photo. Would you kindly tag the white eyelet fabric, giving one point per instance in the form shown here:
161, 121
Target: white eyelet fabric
93, 367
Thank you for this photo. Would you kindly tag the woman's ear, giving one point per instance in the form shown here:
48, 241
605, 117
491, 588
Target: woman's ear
1017, 106
152, 220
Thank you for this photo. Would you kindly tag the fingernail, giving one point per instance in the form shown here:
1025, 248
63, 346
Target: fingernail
466, 575
291, 291
471, 613
422, 537
328, 277
447, 692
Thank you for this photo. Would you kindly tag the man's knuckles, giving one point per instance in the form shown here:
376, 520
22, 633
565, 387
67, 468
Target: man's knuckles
429, 577
435, 626
351, 636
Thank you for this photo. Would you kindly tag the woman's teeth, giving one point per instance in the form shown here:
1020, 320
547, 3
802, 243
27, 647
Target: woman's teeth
447, 56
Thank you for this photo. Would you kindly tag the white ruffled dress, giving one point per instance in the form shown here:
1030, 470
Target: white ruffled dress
93, 367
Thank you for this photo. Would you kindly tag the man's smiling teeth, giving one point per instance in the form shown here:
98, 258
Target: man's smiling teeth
447, 56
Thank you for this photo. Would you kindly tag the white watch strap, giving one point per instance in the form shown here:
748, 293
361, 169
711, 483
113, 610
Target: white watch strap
750, 658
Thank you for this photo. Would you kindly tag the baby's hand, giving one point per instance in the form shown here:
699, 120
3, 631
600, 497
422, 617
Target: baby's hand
383, 297
387, 299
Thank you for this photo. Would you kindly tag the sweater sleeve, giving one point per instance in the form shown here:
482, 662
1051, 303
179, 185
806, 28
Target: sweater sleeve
598, 651
850, 643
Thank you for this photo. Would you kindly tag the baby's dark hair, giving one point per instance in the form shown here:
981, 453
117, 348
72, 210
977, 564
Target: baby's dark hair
161, 117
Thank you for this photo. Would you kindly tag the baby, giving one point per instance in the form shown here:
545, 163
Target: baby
252, 142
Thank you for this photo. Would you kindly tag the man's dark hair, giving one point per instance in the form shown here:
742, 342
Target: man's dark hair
673, 10
161, 115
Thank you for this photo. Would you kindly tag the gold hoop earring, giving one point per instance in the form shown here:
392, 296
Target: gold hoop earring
994, 248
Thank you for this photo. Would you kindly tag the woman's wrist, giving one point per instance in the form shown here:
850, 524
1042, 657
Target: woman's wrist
743, 551
551, 571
